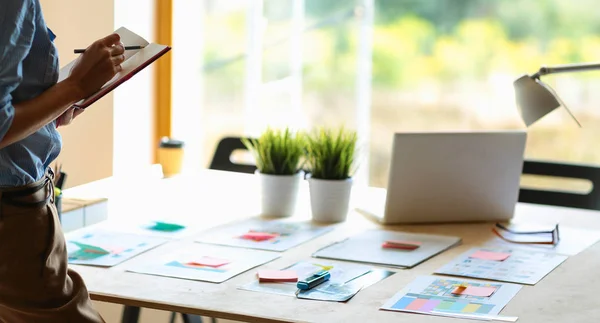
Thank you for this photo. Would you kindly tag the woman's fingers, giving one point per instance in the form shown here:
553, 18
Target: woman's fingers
110, 40
118, 60
117, 49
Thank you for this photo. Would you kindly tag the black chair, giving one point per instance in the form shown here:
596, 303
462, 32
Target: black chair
222, 157
590, 201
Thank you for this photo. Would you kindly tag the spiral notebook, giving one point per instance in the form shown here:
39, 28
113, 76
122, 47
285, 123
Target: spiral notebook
135, 61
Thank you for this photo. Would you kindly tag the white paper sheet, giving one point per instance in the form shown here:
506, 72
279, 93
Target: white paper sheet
366, 248
180, 263
97, 247
289, 234
523, 266
433, 295
340, 274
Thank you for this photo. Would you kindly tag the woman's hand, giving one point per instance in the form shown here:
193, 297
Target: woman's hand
97, 65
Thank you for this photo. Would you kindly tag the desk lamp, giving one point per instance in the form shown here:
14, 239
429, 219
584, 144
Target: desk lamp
535, 98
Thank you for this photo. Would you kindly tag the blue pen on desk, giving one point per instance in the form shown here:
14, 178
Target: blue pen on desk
314, 280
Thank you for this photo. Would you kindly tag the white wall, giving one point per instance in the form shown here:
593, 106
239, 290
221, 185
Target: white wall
88, 143
187, 64
133, 100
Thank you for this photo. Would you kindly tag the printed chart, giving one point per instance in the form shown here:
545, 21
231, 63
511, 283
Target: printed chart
340, 274
521, 266
273, 235
438, 296
202, 262
105, 248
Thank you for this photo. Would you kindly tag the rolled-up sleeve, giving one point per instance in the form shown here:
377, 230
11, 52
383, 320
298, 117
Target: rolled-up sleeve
17, 28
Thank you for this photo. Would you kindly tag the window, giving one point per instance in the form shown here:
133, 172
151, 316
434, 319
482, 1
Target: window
380, 66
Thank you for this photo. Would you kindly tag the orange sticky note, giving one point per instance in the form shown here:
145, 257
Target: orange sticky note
459, 289
289, 276
401, 244
490, 255
209, 262
259, 236
474, 291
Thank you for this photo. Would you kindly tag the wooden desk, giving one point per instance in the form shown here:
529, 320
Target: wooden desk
568, 294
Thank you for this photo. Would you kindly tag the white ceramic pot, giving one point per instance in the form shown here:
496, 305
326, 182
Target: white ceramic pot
279, 193
329, 199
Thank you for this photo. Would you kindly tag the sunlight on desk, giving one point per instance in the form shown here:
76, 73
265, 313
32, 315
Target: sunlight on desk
212, 198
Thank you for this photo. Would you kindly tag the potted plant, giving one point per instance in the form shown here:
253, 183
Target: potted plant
279, 157
330, 159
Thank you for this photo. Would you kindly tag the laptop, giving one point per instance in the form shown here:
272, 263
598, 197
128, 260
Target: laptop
445, 177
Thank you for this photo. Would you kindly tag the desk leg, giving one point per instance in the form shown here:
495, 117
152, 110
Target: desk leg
188, 318
131, 314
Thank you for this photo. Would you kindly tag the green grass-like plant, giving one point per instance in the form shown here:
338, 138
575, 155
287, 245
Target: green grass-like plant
331, 154
277, 152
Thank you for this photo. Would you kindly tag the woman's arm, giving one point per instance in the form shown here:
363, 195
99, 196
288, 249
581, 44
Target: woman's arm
100, 62
96, 66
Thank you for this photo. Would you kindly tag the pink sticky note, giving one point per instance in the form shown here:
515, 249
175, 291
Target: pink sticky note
401, 244
475, 291
209, 262
277, 276
490, 255
259, 236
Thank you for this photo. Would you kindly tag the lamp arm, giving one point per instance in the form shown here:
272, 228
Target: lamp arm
545, 70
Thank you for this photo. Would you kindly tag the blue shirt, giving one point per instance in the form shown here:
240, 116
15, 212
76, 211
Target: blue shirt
28, 67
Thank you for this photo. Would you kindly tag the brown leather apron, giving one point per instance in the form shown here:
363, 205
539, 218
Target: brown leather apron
35, 283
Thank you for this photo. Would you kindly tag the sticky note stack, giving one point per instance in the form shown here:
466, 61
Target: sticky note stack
490, 255
474, 291
277, 276
401, 244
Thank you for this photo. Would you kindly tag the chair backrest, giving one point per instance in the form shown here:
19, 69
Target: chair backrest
590, 201
222, 157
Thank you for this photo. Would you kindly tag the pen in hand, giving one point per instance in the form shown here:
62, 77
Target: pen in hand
79, 51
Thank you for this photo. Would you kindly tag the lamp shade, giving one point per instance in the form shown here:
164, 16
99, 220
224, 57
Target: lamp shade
535, 99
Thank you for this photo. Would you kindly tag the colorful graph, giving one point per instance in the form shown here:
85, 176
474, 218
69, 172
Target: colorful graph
87, 252
423, 303
274, 233
437, 296
104, 248
444, 288
179, 264
257, 233
202, 262
91, 252
520, 266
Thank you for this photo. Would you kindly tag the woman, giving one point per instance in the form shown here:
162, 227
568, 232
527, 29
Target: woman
35, 283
